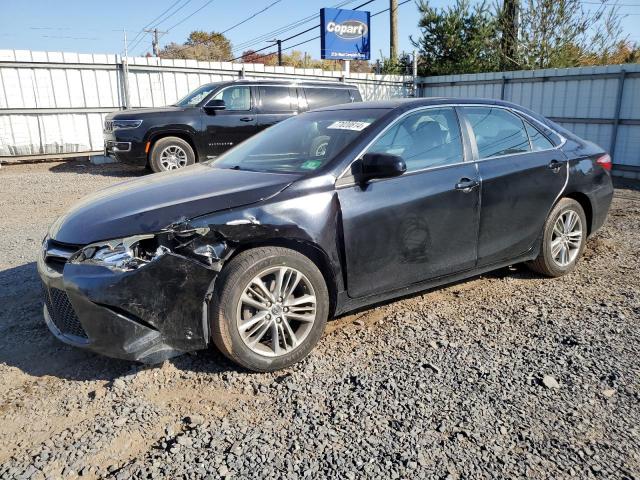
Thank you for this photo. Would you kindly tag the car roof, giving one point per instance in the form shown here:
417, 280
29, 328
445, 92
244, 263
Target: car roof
409, 103
293, 83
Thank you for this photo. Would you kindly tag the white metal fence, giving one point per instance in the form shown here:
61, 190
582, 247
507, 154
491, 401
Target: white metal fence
601, 104
53, 103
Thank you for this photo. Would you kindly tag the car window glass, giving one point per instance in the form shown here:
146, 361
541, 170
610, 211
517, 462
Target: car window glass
325, 97
302, 143
198, 95
538, 140
275, 99
429, 138
497, 131
235, 98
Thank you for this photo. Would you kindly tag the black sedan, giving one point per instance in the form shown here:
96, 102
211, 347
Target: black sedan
255, 250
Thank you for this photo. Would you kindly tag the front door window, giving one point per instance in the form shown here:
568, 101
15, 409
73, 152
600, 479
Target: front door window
235, 98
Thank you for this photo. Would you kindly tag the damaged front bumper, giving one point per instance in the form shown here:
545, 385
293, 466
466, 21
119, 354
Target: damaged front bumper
147, 309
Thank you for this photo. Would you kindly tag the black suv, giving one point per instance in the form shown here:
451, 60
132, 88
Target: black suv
212, 119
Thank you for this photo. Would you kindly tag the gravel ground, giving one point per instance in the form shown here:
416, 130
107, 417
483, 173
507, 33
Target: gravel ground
504, 375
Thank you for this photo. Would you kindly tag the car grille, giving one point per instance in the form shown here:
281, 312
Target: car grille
57, 254
62, 313
108, 126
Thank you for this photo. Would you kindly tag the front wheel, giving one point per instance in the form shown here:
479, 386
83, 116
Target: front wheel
563, 241
171, 153
271, 308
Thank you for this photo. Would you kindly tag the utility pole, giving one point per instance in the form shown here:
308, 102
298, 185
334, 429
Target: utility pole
393, 30
155, 43
279, 43
125, 71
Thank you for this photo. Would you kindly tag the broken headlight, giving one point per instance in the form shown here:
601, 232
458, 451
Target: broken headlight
122, 254
136, 251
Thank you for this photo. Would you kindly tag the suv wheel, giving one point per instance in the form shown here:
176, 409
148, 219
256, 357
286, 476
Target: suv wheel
171, 153
271, 308
563, 241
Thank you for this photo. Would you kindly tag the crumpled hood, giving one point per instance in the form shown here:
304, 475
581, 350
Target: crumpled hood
151, 203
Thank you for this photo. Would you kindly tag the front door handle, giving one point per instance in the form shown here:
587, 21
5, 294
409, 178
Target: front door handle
554, 165
466, 185
246, 119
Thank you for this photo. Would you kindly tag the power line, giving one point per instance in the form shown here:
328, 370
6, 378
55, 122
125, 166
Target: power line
189, 16
300, 33
251, 17
605, 4
230, 28
317, 37
278, 31
155, 19
310, 18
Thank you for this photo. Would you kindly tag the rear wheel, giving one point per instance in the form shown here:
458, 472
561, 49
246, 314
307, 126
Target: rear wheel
271, 308
563, 241
171, 153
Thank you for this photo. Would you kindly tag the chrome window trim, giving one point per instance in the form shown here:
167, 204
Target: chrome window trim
563, 140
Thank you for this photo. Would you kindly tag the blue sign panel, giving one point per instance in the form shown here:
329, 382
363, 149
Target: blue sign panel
345, 34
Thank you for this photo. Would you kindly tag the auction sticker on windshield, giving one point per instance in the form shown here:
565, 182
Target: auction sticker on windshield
349, 125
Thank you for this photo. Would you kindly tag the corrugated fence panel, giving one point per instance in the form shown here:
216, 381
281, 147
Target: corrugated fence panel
584, 100
55, 102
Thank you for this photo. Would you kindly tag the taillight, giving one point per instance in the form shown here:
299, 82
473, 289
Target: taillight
605, 162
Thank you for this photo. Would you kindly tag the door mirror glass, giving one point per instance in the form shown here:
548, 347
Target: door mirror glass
381, 165
215, 105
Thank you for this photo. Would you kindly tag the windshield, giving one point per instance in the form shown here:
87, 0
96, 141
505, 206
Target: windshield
300, 144
197, 95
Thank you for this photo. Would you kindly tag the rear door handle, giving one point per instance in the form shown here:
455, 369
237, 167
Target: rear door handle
246, 119
555, 165
466, 185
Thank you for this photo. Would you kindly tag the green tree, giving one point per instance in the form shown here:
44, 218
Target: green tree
458, 39
561, 33
201, 45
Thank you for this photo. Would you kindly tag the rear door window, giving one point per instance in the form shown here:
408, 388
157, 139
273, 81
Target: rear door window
277, 99
356, 96
497, 131
538, 140
325, 97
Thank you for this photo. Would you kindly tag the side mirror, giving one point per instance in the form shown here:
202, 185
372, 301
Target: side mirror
381, 165
213, 106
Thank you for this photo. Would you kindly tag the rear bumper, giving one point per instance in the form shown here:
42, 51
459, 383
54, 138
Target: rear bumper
146, 315
601, 198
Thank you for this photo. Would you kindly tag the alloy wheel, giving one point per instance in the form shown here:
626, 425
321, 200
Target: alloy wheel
173, 157
276, 311
566, 238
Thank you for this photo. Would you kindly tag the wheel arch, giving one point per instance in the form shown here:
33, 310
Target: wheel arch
183, 135
585, 202
312, 251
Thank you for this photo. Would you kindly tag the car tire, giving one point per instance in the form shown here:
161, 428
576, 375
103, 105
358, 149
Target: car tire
563, 239
171, 153
238, 293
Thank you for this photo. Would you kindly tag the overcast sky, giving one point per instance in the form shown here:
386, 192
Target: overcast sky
90, 26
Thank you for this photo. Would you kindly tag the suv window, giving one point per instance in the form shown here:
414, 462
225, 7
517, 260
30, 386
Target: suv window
325, 97
276, 99
497, 131
235, 98
429, 138
538, 140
